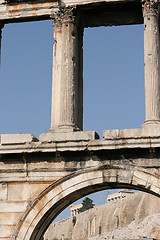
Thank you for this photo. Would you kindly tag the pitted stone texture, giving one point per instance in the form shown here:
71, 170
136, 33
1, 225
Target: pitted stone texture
6, 231
3, 191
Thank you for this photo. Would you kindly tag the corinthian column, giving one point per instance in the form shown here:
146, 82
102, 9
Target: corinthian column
67, 90
152, 61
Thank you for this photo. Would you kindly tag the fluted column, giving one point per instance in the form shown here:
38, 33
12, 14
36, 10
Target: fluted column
1, 26
56, 75
152, 61
67, 89
0, 42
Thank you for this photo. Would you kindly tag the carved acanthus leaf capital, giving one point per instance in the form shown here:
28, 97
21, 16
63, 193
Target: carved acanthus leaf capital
150, 7
64, 14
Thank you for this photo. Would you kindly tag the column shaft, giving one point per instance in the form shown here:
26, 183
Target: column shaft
56, 77
1, 26
152, 61
67, 89
69, 76
0, 42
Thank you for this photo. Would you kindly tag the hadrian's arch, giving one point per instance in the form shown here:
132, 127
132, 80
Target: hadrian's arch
41, 177
49, 203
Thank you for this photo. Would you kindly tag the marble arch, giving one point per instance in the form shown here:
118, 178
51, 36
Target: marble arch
59, 195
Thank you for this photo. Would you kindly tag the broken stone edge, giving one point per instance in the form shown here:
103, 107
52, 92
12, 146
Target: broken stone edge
8, 139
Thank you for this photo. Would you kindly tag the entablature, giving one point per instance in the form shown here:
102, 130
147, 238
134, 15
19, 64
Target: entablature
93, 13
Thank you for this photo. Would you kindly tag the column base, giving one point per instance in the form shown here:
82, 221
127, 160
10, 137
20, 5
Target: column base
64, 129
151, 128
53, 136
151, 122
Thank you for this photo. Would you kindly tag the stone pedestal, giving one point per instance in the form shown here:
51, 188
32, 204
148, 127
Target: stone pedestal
152, 62
67, 88
68, 136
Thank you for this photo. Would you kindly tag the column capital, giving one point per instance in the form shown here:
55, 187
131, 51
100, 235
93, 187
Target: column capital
63, 15
150, 7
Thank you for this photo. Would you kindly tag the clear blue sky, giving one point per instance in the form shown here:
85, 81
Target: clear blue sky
113, 79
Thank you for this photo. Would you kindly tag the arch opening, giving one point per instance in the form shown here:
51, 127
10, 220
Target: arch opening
124, 214
64, 192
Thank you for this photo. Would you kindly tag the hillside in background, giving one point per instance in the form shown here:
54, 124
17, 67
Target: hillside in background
135, 216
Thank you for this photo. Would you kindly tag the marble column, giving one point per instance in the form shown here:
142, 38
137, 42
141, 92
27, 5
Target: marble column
67, 86
1, 26
152, 61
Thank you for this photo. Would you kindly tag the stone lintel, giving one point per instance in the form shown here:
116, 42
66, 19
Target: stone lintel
27, 11
68, 136
8, 139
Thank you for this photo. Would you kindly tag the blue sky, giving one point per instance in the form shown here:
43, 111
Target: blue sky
113, 79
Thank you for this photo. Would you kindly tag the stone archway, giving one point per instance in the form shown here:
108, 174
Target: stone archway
41, 212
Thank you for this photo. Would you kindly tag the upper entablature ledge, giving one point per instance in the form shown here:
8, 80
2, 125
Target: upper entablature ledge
84, 2
28, 10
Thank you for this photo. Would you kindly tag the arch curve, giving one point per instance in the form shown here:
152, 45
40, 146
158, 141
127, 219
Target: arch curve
55, 198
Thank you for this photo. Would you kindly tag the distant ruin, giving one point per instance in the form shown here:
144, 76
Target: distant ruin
74, 209
111, 197
115, 215
119, 195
